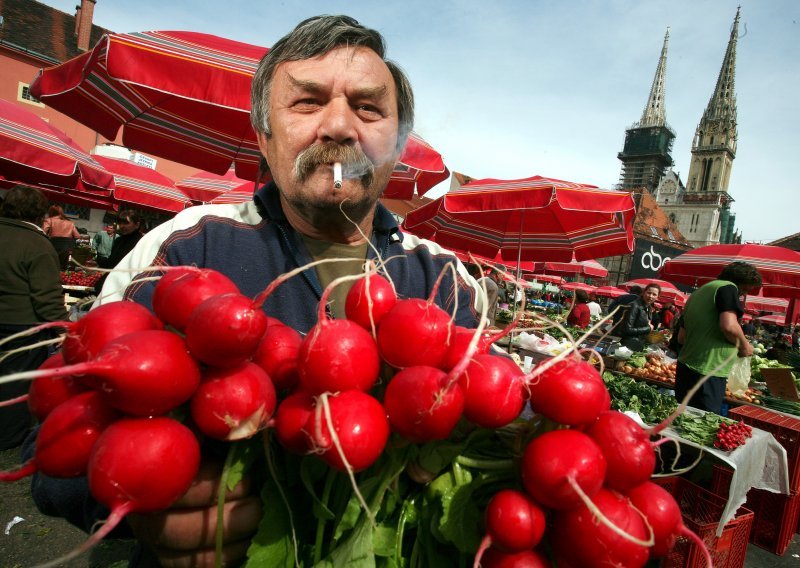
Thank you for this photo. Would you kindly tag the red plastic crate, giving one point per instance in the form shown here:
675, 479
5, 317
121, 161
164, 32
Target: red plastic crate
775, 520
776, 515
701, 511
786, 430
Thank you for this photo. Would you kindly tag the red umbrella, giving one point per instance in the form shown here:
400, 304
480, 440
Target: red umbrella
758, 304
35, 153
572, 286
529, 219
205, 186
776, 319
548, 278
419, 167
779, 267
590, 268
609, 292
143, 188
185, 96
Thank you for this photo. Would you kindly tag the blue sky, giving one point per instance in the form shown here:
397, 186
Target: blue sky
511, 89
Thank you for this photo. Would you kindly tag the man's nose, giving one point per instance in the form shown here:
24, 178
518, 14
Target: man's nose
338, 122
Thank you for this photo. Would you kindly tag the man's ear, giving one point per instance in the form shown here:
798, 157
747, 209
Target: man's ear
262, 143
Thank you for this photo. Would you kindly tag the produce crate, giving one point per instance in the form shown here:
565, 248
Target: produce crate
701, 511
776, 516
775, 520
786, 430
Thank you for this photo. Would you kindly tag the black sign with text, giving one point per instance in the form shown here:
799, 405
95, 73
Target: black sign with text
648, 257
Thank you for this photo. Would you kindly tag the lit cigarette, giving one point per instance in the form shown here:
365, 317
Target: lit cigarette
337, 175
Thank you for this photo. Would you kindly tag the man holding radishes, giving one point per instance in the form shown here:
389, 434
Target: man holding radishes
332, 116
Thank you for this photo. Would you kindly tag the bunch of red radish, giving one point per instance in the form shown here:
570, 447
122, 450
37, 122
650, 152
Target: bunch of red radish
586, 486
105, 403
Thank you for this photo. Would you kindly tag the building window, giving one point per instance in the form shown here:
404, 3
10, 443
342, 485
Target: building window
654, 231
671, 236
24, 95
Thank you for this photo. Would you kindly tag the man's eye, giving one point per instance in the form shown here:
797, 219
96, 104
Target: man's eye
306, 103
369, 111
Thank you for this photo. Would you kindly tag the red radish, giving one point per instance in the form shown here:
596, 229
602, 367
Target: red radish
225, 330
579, 537
291, 418
143, 373
495, 558
337, 355
664, 516
360, 425
139, 465
180, 291
423, 404
553, 462
87, 336
277, 354
629, 453
494, 392
368, 300
46, 392
570, 392
463, 336
514, 523
233, 403
67, 436
415, 333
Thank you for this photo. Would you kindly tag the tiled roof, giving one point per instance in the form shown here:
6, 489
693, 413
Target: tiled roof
41, 31
791, 242
649, 214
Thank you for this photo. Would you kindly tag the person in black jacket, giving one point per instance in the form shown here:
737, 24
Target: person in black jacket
129, 232
619, 303
635, 323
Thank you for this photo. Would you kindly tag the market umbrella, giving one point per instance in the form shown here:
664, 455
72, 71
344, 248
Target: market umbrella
535, 218
548, 278
609, 291
590, 268
34, 153
776, 319
779, 267
420, 167
572, 286
757, 304
185, 96
205, 186
141, 187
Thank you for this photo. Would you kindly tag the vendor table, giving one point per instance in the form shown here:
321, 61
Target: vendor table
760, 463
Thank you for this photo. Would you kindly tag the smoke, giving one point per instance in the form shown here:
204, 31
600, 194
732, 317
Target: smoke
355, 164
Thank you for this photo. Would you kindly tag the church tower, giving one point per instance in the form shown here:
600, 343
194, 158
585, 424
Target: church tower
702, 211
646, 153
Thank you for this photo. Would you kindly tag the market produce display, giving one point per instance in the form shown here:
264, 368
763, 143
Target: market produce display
382, 446
79, 278
713, 430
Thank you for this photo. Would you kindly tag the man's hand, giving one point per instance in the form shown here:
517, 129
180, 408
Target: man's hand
184, 535
745, 349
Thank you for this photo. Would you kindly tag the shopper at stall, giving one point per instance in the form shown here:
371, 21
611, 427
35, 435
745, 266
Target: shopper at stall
102, 242
635, 325
667, 315
617, 305
61, 232
595, 310
323, 94
579, 315
30, 293
713, 335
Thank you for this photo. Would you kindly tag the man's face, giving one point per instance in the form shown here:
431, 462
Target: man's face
346, 97
126, 226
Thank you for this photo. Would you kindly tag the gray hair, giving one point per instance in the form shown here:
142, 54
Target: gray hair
317, 36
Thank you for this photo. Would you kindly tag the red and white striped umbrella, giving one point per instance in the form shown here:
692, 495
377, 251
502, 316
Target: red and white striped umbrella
609, 291
535, 218
758, 304
779, 267
185, 96
205, 186
35, 153
572, 286
547, 278
590, 268
140, 187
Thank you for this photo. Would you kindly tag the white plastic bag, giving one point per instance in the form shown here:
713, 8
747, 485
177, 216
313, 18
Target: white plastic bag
739, 377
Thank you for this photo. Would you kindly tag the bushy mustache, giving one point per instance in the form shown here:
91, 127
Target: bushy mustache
355, 164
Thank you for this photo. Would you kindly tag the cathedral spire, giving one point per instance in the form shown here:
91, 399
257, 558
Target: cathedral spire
655, 113
722, 105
